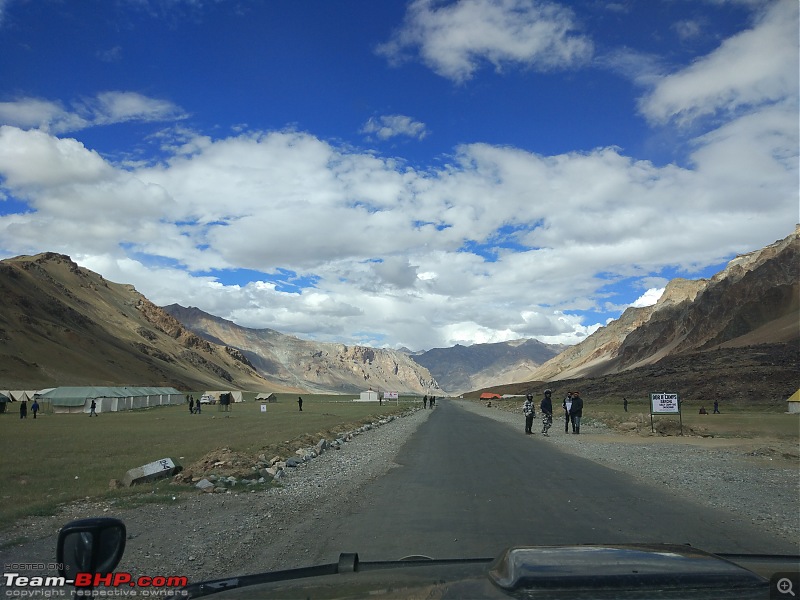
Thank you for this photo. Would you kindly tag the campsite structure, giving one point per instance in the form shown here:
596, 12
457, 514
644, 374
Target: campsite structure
108, 399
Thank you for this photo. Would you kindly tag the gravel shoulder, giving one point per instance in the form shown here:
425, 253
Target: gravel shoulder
206, 536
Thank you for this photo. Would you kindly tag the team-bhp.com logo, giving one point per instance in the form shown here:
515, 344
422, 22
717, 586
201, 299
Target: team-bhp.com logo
87, 584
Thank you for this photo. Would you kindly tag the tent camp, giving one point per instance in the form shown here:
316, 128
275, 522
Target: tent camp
266, 397
236, 395
109, 399
19, 395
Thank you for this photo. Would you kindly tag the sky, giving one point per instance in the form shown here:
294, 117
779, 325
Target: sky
399, 174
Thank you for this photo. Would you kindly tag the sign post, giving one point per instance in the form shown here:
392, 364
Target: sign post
662, 403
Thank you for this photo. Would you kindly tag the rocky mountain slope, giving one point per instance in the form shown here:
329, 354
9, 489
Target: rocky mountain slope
61, 324
315, 366
754, 300
463, 368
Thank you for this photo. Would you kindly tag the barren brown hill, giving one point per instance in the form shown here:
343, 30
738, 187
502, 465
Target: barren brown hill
754, 300
316, 366
61, 324
762, 376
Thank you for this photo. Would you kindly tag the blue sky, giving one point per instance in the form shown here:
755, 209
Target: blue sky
391, 173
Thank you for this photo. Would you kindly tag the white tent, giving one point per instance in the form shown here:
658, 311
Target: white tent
19, 395
266, 397
109, 399
236, 395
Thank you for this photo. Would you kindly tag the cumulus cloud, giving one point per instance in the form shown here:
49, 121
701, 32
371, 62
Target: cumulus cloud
105, 109
393, 253
456, 39
351, 246
389, 126
754, 67
649, 298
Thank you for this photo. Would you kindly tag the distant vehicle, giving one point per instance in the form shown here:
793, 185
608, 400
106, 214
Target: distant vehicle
207, 399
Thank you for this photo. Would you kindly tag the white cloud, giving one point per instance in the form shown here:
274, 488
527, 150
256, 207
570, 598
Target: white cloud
41, 114
389, 126
118, 107
406, 257
383, 243
649, 298
754, 67
456, 39
106, 108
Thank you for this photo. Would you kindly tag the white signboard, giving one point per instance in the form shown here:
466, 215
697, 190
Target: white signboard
263, 407
664, 404
390, 395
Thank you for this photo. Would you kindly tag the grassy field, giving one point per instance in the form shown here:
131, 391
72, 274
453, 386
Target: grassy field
63, 457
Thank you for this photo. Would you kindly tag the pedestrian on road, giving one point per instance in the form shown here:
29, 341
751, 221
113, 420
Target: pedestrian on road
93, 409
567, 405
23, 410
300, 403
528, 411
425, 401
716, 407
547, 411
35, 407
576, 412
625, 404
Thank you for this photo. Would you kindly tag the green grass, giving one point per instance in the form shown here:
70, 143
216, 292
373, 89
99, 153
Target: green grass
58, 458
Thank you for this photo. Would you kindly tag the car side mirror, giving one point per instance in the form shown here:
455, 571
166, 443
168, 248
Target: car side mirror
90, 546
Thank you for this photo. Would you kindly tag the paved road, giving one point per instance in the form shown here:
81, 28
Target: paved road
469, 486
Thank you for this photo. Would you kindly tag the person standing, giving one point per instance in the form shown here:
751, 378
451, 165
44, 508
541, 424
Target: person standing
35, 407
567, 406
716, 407
547, 411
625, 404
425, 401
576, 412
300, 403
23, 409
191, 405
527, 410
93, 409
197, 406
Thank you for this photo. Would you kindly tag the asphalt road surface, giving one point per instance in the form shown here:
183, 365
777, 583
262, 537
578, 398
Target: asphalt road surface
469, 486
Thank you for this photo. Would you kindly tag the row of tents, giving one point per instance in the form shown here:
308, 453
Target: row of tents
78, 399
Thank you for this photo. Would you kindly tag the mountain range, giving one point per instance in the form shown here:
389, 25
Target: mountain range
61, 324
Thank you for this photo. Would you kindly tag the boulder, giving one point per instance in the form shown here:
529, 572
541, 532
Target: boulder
204, 485
153, 471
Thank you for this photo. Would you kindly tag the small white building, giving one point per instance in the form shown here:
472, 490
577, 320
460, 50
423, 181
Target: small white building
368, 396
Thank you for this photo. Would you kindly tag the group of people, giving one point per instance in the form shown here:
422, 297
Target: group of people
573, 411
23, 409
195, 408
428, 401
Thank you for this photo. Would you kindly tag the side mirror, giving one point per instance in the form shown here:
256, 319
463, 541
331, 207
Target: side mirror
90, 546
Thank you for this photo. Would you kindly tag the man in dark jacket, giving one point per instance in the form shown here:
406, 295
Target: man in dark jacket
576, 412
547, 411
